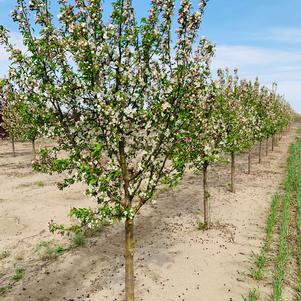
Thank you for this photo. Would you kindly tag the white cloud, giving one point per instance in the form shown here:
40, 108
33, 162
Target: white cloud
249, 56
287, 35
280, 66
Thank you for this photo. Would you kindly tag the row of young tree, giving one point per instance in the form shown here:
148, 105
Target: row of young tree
129, 103
237, 115
17, 118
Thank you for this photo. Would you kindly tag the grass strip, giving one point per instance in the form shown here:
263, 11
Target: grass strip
290, 186
258, 269
297, 153
298, 224
283, 253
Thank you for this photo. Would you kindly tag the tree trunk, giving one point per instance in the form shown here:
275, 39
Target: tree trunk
267, 146
249, 160
232, 184
13, 145
273, 142
206, 197
129, 260
260, 151
34, 153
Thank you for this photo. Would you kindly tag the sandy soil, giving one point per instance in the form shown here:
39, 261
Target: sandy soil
174, 260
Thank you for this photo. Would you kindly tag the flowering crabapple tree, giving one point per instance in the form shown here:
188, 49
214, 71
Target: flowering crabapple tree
206, 138
260, 114
237, 117
277, 113
250, 113
119, 93
269, 97
283, 115
20, 119
263, 107
11, 117
252, 106
30, 125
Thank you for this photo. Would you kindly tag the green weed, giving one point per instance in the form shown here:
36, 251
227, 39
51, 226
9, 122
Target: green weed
18, 274
4, 254
19, 258
40, 184
78, 239
200, 225
4, 290
252, 296
50, 249
257, 273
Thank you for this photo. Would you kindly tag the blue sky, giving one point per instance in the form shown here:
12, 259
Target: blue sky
260, 38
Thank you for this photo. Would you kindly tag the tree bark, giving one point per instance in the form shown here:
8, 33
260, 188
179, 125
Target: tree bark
34, 153
260, 151
13, 145
129, 260
206, 197
249, 160
232, 184
267, 146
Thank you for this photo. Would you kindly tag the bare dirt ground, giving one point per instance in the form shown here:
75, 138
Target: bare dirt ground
174, 260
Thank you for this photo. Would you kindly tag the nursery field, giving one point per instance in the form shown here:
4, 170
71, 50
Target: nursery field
174, 259
133, 168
